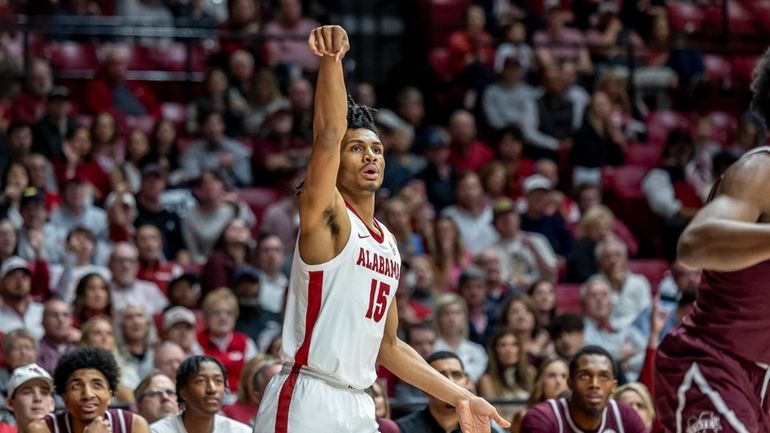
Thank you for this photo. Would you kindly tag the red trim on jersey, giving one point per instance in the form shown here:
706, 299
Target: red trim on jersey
284, 400
379, 237
314, 289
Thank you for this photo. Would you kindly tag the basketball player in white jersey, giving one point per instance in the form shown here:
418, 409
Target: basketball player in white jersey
341, 317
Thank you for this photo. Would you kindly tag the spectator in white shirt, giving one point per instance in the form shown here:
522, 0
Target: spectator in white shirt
630, 292
528, 256
472, 214
17, 309
272, 280
451, 318
125, 288
201, 383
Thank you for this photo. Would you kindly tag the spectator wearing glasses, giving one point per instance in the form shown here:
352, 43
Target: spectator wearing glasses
156, 397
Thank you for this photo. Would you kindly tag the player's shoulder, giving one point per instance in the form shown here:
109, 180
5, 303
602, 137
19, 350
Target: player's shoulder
540, 418
228, 425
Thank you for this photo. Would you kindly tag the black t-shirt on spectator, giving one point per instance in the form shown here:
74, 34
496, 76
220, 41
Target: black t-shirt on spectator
168, 223
553, 228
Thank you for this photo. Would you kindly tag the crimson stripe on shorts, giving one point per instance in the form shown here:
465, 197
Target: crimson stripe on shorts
284, 400
314, 291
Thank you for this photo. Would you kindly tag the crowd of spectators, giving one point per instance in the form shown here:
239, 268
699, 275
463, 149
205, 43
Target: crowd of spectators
140, 239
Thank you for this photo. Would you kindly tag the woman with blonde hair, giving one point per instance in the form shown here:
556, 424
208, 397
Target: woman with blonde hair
597, 224
509, 375
451, 321
637, 396
219, 338
550, 382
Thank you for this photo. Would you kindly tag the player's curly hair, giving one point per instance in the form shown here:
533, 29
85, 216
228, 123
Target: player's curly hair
360, 116
760, 102
86, 357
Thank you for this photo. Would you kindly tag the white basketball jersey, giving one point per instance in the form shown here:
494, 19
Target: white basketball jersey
336, 311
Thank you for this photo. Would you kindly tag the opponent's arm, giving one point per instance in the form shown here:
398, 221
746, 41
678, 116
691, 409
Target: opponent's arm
398, 357
329, 125
724, 235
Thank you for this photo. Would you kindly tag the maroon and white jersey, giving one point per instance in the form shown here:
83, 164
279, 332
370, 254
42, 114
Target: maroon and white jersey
61, 422
336, 311
732, 309
553, 416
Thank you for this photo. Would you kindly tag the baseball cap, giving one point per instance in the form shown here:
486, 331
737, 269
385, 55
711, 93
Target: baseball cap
502, 207
435, 140
245, 271
153, 169
24, 374
58, 92
32, 195
11, 264
178, 315
535, 182
120, 197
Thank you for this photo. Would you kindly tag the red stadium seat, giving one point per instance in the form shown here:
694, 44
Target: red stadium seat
740, 19
743, 69
660, 123
653, 269
258, 199
141, 59
644, 155
685, 16
625, 180
444, 17
174, 57
568, 298
72, 56
718, 70
760, 11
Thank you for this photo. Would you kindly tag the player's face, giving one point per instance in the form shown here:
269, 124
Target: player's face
87, 394
555, 379
204, 392
362, 163
31, 401
593, 384
634, 400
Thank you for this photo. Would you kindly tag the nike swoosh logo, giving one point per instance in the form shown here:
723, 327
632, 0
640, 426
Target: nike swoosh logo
362, 237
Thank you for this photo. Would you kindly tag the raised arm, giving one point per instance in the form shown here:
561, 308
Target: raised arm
398, 357
319, 196
725, 235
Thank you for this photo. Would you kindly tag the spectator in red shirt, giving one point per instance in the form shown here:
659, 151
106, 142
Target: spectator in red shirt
466, 152
243, 21
472, 44
220, 340
153, 266
79, 167
29, 105
279, 153
111, 92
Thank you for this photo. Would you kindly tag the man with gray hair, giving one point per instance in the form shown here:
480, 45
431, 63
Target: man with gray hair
168, 357
630, 292
125, 288
626, 344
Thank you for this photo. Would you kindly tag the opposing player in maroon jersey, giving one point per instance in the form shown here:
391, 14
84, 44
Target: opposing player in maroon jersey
86, 379
712, 372
589, 407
